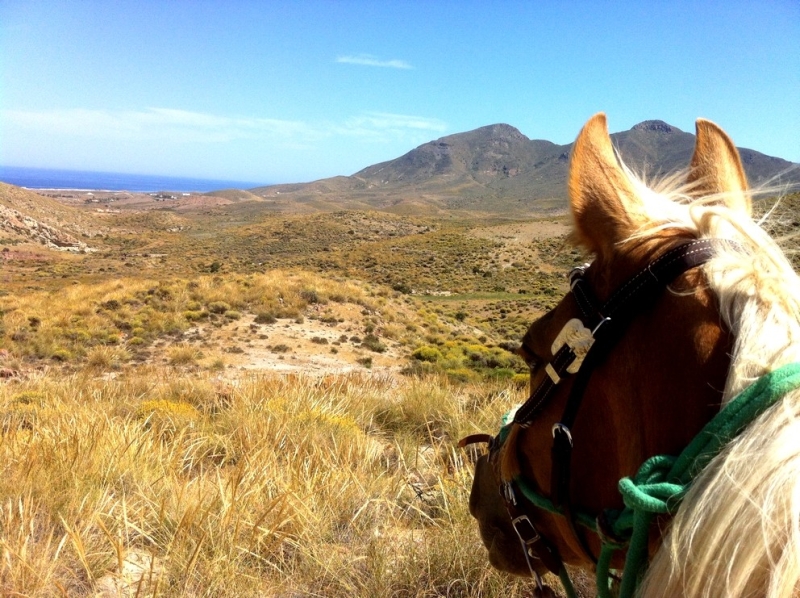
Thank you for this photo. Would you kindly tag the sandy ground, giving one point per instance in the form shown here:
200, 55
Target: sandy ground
524, 232
310, 346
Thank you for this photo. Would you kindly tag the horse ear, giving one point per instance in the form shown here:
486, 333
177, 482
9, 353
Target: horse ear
716, 168
605, 207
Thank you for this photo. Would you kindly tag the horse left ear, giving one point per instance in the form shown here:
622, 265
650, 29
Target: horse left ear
716, 168
605, 206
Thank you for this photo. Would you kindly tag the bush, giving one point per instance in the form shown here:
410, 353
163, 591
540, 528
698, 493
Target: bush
402, 287
265, 318
373, 343
165, 416
61, 355
310, 296
183, 355
106, 357
427, 353
218, 307
462, 375
193, 316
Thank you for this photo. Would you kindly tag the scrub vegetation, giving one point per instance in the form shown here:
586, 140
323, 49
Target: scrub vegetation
240, 403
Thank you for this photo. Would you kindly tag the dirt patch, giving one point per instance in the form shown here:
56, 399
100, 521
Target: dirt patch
320, 343
523, 232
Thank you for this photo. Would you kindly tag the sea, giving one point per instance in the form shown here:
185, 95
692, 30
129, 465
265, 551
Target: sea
47, 178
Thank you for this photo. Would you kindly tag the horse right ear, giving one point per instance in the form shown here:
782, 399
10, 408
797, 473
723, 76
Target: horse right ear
716, 168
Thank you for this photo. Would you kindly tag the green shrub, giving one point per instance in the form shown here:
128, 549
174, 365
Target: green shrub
373, 343
218, 307
265, 318
462, 375
427, 353
193, 316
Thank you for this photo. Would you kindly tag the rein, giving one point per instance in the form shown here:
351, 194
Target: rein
662, 481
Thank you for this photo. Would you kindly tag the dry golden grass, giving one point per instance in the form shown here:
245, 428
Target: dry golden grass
193, 478
157, 485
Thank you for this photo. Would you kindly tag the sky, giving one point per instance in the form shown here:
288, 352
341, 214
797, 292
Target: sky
279, 92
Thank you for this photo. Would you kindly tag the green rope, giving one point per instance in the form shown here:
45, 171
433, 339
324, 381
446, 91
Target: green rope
566, 583
662, 481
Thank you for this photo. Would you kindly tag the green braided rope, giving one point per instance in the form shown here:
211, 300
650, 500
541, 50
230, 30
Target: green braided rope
662, 481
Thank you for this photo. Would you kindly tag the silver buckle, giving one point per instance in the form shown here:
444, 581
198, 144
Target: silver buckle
508, 493
533, 537
578, 338
559, 427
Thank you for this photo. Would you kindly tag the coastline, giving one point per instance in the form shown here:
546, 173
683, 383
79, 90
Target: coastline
77, 181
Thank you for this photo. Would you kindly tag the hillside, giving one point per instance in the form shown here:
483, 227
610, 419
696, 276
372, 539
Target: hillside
27, 217
497, 169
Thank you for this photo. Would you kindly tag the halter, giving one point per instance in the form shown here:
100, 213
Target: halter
580, 346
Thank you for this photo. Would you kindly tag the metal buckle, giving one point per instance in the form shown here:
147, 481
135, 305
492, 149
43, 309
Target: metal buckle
578, 338
507, 492
576, 274
559, 427
527, 548
603, 321
526, 538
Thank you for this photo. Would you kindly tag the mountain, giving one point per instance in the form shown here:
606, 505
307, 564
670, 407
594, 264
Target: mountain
497, 169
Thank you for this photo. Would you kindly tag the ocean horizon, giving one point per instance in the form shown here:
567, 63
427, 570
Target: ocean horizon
87, 180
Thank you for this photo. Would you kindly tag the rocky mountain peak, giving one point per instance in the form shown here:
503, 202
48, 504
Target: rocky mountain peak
654, 125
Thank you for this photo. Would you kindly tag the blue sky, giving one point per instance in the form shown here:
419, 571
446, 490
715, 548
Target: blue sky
294, 91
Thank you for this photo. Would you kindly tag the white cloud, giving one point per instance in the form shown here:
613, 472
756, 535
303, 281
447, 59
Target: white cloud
183, 126
380, 125
156, 124
370, 60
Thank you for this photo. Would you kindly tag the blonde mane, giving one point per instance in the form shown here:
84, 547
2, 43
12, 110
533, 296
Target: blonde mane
737, 532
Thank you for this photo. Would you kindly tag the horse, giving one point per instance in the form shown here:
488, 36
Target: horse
687, 314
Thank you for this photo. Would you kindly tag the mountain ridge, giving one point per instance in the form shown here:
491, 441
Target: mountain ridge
497, 169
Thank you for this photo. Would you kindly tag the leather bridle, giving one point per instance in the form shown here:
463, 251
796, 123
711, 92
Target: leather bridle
580, 347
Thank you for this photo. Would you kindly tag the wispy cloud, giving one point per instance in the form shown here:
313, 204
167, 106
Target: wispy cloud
183, 126
376, 125
370, 60
155, 124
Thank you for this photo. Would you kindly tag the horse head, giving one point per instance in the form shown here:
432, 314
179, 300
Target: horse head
667, 366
